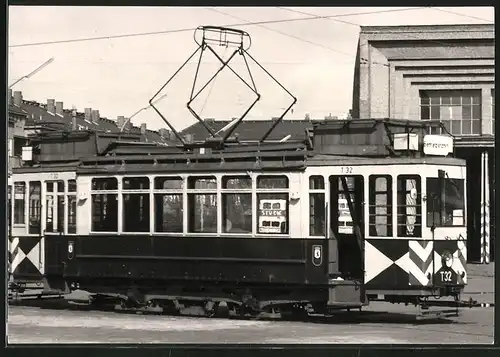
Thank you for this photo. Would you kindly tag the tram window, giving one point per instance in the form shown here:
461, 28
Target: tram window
169, 205
445, 205
202, 206
9, 207
316, 183
380, 205
237, 182
202, 183
169, 212
316, 214
71, 199
108, 183
409, 209
19, 199
276, 217
71, 185
135, 183
35, 206
168, 183
270, 182
105, 205
316, 206
54, 203
136, 204
237, 206
203, 213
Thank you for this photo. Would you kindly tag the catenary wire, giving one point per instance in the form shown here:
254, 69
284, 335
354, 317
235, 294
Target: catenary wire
364, 60
137, 34
463, 15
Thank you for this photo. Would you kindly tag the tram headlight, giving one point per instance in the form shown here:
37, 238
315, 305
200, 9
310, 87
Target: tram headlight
447, 259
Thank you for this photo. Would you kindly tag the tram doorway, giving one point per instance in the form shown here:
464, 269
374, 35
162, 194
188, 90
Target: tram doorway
346, 223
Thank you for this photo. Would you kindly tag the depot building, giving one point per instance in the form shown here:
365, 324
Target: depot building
443, 73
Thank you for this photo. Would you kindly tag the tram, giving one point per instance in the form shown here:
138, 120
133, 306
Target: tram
254, 227
256, 231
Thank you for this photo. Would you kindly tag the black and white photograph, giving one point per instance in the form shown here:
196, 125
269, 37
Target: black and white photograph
331, 170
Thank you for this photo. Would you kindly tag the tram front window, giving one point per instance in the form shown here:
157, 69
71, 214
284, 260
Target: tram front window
445, 202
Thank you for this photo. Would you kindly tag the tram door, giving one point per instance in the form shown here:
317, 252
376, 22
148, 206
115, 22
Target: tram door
346, 222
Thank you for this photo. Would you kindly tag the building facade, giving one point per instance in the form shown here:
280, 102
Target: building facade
443, 73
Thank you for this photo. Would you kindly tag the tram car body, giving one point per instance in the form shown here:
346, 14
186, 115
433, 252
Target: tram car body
195, 226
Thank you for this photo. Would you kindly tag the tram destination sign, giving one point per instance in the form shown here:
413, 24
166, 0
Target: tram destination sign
272, 212
438, 145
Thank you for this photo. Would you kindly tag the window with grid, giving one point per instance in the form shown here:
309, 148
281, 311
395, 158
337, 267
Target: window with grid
135, 192
202, 204
380, 205
237, 204
459, 111
169, 204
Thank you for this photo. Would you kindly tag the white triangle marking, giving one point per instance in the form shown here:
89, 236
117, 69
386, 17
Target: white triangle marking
34, 256
18, 258
375, 262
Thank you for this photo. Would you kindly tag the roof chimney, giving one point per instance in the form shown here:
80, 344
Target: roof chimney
95, 116
143, 128
163, 133
51, 106
59, 108
88, 114
11, 100
18, 98
73, 120
120, 122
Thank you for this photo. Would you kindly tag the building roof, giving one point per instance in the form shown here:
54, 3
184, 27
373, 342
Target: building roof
429, 28
253, 130
16, 111
38, 116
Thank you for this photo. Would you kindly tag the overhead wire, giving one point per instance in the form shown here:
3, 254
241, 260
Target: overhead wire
365, 60
463, 15
137, 34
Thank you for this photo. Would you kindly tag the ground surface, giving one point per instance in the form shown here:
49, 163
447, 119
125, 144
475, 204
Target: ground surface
395, 325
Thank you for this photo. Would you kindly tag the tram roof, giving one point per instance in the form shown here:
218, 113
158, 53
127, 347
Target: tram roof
333, 142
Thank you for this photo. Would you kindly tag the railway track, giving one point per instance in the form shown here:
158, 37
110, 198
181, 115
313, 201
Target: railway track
59, 302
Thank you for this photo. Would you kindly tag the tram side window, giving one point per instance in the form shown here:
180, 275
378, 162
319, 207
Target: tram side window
202, 204
168, 204
272, 204
54, 221
316, 206
136, 204
445, 204
380, 205
9, 208
237, 204
71, 206
19, 202
35, 207
409, 207
105, 204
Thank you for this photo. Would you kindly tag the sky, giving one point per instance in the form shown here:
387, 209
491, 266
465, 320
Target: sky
312, 58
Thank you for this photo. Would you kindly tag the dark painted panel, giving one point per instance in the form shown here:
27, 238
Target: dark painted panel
208, 258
